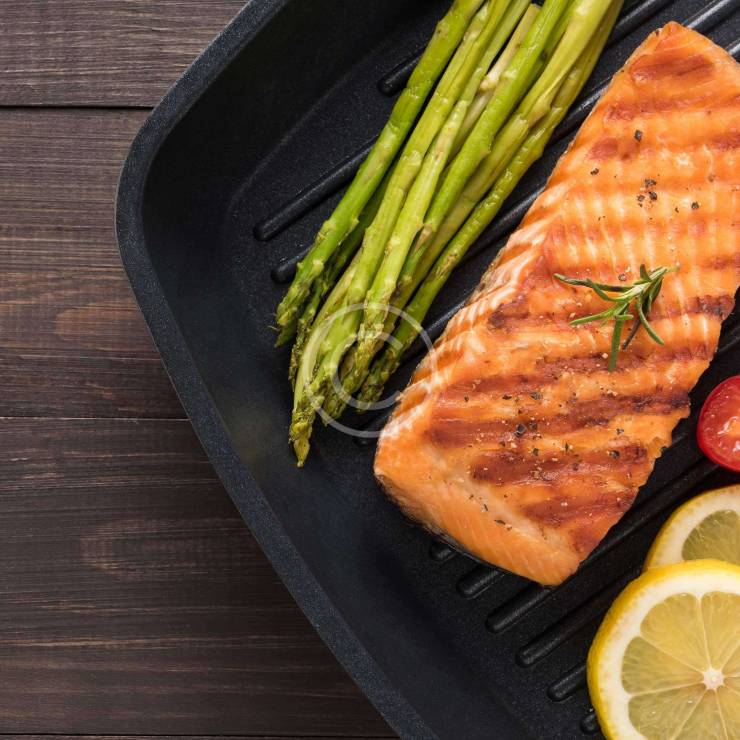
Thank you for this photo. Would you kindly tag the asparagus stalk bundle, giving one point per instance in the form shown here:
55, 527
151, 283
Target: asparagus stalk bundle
529, 151
497, 78
473, 150
380, 235
422, 255
443, 44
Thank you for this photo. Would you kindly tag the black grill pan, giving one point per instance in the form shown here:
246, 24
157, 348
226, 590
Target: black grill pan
226, 183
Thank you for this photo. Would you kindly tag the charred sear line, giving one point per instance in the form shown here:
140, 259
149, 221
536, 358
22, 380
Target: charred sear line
726, 142
510, 316
560, 510
628, 110
510, 467
671, 63
550, 369
584, 523
450, 431
727, 261
610, 147
624, 149
706, 305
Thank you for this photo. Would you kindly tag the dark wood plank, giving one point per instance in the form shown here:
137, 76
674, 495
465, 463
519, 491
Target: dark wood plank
190, 737
72, 339
135, 601
108, 53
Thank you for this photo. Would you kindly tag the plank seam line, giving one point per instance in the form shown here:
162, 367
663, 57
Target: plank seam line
201, 735
73, 107
90, 418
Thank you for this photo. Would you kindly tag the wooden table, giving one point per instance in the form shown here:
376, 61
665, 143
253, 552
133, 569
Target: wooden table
133, 600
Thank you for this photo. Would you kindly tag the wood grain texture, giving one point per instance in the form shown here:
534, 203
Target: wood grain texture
134, 600
72, 339
102, 52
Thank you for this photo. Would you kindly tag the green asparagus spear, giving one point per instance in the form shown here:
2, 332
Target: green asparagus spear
321, 285
490, 82
302, 326
436, 236
529, 152
336, 297
443, 44
328, 278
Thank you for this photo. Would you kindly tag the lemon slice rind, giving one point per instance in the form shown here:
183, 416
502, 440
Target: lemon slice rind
623, 623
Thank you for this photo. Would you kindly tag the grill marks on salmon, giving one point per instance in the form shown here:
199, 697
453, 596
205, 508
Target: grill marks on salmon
513, 439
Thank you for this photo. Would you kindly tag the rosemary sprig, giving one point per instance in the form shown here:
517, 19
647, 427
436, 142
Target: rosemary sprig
642, 293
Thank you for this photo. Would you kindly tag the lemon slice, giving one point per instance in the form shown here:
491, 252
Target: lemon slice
665, 662
708, 526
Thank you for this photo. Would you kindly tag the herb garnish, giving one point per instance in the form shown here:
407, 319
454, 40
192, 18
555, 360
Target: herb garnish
642, 293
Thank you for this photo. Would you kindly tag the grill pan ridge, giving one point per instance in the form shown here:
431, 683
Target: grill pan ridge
223, 189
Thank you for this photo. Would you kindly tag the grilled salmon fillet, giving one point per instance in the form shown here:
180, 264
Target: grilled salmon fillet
513, 439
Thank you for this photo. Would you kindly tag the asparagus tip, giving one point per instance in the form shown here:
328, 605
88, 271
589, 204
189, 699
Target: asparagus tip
301, 447
282, 338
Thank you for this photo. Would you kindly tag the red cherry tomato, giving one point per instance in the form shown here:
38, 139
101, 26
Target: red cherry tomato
718, 432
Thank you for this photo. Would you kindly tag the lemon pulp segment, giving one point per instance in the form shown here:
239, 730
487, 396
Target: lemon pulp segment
666, 661
707, 526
